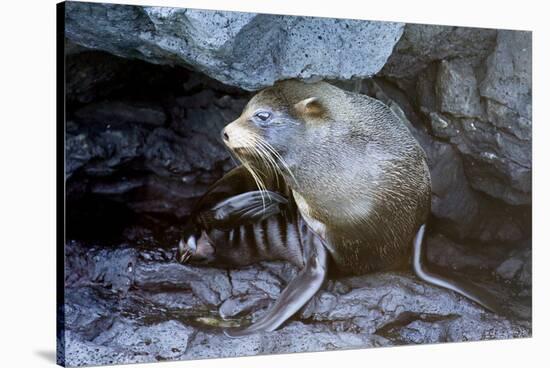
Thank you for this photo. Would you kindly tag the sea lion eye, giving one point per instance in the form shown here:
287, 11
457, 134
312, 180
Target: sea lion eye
263, 115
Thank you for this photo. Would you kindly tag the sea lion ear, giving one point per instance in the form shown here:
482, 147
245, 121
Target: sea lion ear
310, 106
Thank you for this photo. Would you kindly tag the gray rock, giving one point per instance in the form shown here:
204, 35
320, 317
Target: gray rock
421, 332
423, 44
498, 163
474, 88
517, 268
452, 198
162, 341
408, 295
507, 89
296, 337
457, 89
463, 213
100, 152
508, 79
80, 352
509, 268
247, 50
92, 75
441, 126
119, 112
186, 301
212, 286
89, 310
321, 303
250, 280
450, 255
168, 314
169, 154
483, 107
113, 269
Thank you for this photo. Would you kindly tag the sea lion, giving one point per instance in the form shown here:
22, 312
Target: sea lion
355, 179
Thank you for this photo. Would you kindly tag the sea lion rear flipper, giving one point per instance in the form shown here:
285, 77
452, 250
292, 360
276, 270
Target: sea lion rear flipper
296, 294
461, 286
242, 209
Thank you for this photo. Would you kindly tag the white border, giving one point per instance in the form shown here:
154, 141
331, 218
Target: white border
27, 202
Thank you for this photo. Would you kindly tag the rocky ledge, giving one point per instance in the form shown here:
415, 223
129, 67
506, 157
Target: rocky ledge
131, 304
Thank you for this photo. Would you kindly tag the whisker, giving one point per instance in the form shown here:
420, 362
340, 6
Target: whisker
256, 180
264, 154
269, 161
266, 161
277, 156
259, 182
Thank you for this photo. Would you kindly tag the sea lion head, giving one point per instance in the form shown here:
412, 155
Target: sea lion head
274, 122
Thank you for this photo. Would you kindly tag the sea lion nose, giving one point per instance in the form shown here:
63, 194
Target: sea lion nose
225, 136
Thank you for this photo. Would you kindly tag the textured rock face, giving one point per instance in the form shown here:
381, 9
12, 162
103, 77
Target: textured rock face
247, 50
152, 309
474, 88
142, 144
151, 143
459, 211
422, 45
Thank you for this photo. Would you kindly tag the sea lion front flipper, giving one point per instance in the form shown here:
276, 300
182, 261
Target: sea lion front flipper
297, 293
461, 286
242, 209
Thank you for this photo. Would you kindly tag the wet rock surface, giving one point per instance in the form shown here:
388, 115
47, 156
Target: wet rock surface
142, 144
129, 304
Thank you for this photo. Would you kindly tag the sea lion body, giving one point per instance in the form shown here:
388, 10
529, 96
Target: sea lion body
357, 170
356, 183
